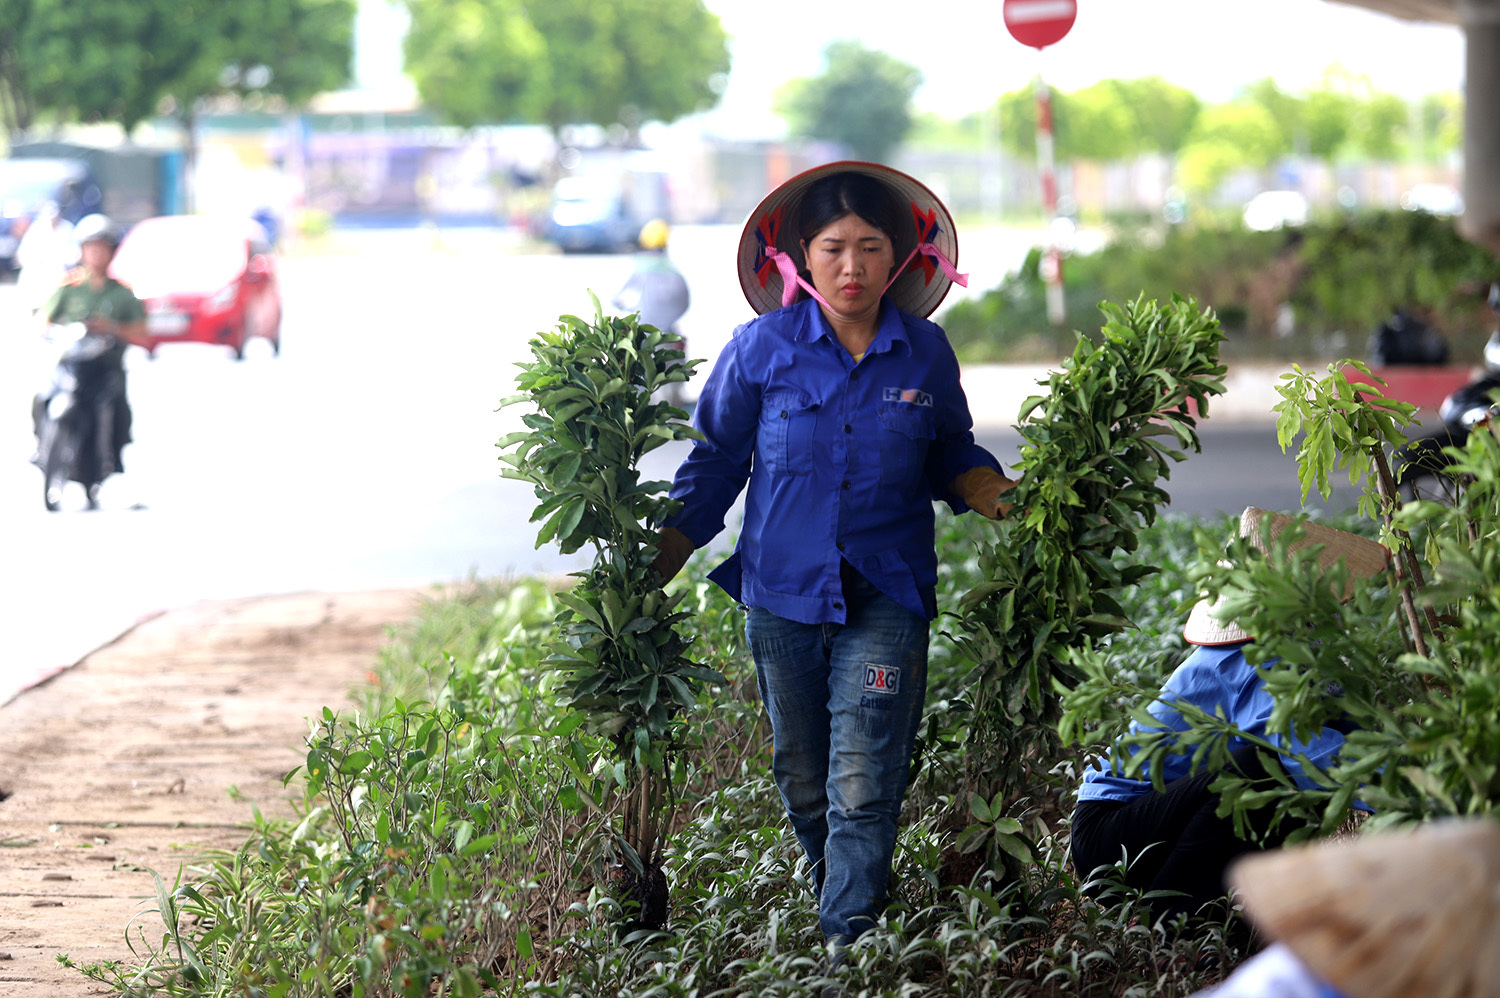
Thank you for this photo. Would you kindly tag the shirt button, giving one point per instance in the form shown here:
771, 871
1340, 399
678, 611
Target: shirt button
848, 428
783, 414
838, 606
845, 485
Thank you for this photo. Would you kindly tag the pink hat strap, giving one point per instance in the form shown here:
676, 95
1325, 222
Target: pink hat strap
929, 249
791, 280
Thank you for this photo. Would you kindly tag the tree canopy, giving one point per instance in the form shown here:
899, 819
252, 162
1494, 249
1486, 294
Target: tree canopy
1227, 136
561, 62
1112, 119
1343, 117
119, 60
862, 100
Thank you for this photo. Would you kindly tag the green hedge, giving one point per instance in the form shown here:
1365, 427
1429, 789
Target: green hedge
1335, 280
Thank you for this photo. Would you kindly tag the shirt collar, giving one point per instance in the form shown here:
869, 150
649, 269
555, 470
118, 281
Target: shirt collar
890, 331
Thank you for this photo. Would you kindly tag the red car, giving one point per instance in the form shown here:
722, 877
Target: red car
203, 279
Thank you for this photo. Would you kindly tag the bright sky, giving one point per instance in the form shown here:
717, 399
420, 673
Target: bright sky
1211, 47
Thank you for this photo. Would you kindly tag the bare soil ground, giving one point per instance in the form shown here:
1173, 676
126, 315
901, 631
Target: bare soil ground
124, 764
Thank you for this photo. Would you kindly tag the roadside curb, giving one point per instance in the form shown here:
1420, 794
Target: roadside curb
45, 674
156, 750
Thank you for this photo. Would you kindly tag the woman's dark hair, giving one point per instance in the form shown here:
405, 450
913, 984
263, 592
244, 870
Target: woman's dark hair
830, 198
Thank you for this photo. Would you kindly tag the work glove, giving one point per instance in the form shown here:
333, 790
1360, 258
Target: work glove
980, 489
672, 551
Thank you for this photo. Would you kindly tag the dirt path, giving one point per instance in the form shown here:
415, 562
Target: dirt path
123, 764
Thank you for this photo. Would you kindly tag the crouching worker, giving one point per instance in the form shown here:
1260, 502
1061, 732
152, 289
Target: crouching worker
1171, 836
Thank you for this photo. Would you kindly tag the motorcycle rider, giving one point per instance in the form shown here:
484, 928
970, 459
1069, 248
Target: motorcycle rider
1421, 464
106, 308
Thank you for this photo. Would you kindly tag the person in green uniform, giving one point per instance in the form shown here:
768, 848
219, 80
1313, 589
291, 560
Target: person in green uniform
106, 308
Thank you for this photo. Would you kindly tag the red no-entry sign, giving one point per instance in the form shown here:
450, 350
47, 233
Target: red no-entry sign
1039, 23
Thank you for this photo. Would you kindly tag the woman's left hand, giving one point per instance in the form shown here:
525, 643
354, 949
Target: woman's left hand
980, 489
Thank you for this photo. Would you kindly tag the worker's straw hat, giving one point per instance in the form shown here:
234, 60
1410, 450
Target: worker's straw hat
1411, 914
923, 221
1363, 558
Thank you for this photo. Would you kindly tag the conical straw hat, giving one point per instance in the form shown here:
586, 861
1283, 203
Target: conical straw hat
1363, 558
1399, 915
920, 213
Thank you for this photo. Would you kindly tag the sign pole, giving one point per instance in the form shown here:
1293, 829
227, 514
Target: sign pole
1039, 23
1052, 274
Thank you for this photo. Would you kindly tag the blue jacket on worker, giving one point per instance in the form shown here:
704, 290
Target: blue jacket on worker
844, 458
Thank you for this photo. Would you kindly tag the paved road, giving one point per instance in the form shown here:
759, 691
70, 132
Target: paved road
363, 457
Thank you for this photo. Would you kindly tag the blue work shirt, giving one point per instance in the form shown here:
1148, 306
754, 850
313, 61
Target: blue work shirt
1212, 678
843, 460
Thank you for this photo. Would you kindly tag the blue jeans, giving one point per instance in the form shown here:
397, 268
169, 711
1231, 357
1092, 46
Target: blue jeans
845, 702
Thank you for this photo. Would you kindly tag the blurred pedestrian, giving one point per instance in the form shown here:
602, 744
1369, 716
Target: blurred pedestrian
657, 290
841, 409
46, 253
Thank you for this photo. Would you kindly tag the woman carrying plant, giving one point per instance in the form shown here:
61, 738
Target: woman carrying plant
1173, 838
844, 414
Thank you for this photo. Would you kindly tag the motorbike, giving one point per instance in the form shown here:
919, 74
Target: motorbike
79, 415
1421, 464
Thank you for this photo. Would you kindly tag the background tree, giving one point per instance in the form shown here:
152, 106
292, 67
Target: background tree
119, 60
287, 50
17, 109
1381, 126
110, 61
1343, 116
1227, 136
1164, 113
477, 60
1017, 111
1110, 120
1284, 111
1439, 127
678, 58
1095, 123
862, 100
1325, 120
562, 62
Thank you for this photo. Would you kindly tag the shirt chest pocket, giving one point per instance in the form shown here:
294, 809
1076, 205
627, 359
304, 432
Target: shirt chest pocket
787, 423
906, 434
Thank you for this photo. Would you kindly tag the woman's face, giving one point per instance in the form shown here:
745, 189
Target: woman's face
850, 260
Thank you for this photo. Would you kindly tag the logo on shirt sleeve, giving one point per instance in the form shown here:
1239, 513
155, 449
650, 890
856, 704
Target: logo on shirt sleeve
882, 679
915, 396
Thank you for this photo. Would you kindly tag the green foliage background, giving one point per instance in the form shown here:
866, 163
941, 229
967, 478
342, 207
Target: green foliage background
862, 100
117, 60
559, 62
1340, 278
